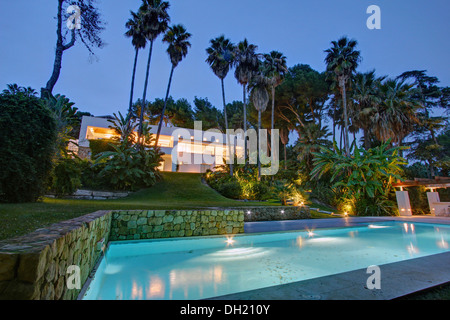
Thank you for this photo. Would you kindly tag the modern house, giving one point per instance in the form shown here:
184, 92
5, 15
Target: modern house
185, 150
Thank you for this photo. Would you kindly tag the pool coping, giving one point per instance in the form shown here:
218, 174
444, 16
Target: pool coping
398, 279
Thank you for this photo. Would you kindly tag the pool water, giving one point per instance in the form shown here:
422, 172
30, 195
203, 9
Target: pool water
199, 268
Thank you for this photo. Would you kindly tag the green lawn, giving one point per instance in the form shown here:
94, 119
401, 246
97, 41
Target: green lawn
175, 191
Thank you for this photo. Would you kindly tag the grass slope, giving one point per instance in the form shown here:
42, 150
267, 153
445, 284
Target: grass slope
176, 191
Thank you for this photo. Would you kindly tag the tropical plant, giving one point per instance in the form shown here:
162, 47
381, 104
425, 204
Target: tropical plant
64, 113
311, 139
220, 59
395, 115
365, 175
178, 39
342, 59
129, 168
136, 33
365, 97
155, 22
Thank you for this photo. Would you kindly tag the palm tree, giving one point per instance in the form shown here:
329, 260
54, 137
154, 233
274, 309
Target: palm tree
135, 32
178, 39
260, 98
342, 60
220, 59
311, 138
395, 115
155, 22
246, 63
366, 98
275, 68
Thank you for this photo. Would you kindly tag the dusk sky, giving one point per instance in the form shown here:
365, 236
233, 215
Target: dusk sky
414, 36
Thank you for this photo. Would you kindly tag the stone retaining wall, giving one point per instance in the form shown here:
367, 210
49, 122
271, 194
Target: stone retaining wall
34, 266
153, 224
276, 213
94, 195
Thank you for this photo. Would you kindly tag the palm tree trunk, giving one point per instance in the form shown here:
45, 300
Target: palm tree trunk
285, 157
344, 102
228, 142
245, 125
132, 81
259, 148
366, 139
273, 107
141, 118
164, 108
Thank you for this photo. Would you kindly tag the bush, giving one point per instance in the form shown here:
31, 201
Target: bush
99, 146
66, 177
129, 168
230, 189
27, 140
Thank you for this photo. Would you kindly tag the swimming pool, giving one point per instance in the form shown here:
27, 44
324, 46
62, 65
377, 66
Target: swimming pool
199, 268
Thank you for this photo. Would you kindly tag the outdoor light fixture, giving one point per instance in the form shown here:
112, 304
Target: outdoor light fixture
248, 212
230, 241
282, 211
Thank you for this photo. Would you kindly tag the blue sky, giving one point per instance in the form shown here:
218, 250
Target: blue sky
414, 35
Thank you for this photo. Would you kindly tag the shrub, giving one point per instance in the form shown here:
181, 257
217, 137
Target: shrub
66, 177
230, 189
99, 146
27, 140
129, 168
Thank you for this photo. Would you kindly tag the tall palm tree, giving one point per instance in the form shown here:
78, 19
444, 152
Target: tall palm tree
274, 69
342, 59
155, 22
366, 98
395, 115
220, 59
260, 98
138, 40
178, 39
246, 64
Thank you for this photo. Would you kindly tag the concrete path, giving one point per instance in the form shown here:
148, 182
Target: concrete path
397, 279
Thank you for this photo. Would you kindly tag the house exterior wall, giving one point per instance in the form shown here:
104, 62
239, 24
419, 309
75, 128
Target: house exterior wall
194, 146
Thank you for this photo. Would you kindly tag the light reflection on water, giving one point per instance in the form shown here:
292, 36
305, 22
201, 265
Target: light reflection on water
218, 267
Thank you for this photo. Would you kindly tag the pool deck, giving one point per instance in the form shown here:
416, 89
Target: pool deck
397, 279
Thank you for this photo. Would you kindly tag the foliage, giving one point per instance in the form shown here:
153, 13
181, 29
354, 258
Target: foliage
364, 176
242, 185
66, 176
99, 146
129, 167
65, 115
27, 140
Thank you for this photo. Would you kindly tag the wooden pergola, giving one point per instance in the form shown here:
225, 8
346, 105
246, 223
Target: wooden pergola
437, 182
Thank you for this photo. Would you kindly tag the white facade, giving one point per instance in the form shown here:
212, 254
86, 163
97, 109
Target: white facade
185, 150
